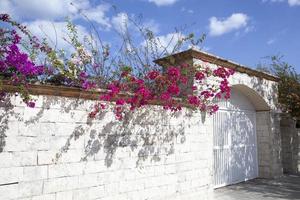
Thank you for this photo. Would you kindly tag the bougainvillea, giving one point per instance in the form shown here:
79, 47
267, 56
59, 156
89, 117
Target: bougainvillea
172, 89
168, 89
16, 66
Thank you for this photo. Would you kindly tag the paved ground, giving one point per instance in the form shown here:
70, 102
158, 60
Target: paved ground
285, 188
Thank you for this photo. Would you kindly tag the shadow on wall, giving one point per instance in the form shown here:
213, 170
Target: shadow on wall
144, 131
7, 111
150, 133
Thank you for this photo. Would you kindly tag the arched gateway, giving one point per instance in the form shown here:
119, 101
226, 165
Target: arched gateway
234, 137
244, 135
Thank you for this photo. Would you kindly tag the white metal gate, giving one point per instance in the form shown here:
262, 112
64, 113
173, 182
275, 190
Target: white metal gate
235, 149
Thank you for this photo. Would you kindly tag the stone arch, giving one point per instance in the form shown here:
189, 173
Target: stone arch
257, 100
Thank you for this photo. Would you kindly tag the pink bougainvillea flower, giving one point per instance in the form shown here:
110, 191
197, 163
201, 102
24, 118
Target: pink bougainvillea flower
87, 85
214, 109
31, 104
114, 89
144, 92
120, 102
222, 72
231, 71
199, 76
218, 95
83, 75
153, 74
174, 89
194, 100
207, 94
173, 73
184, 80
105, 97
140, 81
165, 96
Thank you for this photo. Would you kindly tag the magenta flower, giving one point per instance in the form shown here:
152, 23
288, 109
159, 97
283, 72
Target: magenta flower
194, 100
214, 109
165, 96
153, 74
174, 89
144, 92
120, 102
87, 85
114, 89
31, 104
174, 73
199, 76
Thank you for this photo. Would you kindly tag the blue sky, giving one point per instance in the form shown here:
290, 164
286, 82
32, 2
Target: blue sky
242, 31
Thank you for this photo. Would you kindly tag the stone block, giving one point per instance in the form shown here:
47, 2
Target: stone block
9, 191
20, 143
35, 173
66, 169
60, 184
68, 195
11, 175
31, 188
30, 130
90, 180
44, 197
96, 192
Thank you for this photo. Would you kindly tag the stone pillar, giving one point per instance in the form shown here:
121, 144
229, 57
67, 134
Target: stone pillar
276, 148
268, 144
290, 137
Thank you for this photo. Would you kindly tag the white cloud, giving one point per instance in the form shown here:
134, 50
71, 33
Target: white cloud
120, 22
31, 10
55, 32
5, 7
98, 14
42, 9
290, 2
294, 2
163, 2
167, 42
271, 41
151, 25
219, 27
272, 1
189, 11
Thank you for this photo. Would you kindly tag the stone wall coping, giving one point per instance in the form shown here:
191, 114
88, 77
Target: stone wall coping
72, 92
207, 57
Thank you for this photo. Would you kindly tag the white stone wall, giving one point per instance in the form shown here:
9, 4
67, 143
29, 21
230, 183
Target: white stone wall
53, 152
